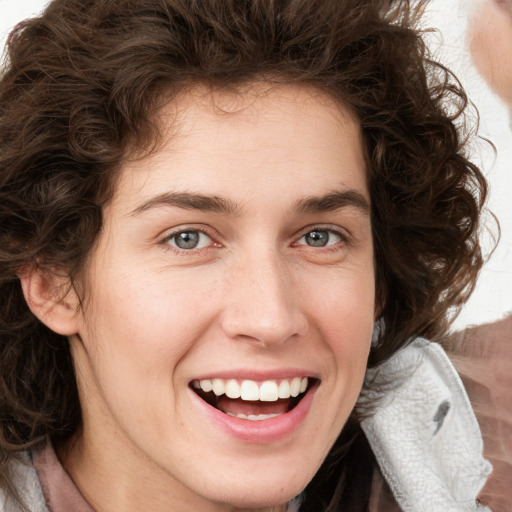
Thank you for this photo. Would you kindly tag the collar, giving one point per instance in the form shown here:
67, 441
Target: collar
424, 433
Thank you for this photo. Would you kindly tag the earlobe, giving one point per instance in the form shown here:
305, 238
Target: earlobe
52, 299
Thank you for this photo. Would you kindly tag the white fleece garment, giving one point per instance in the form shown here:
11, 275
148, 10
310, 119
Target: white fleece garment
28, 486
424, 434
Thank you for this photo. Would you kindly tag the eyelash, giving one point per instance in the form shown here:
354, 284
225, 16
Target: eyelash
165, 241
342, 237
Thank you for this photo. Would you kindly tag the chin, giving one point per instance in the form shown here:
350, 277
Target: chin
254, 493
262, 498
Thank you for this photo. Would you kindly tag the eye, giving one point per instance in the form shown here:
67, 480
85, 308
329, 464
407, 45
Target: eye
320, 238
189, 239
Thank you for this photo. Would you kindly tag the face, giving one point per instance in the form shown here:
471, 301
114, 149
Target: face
490, 38
229, 305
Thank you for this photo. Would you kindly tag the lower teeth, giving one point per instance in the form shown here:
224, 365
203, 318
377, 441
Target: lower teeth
253, 417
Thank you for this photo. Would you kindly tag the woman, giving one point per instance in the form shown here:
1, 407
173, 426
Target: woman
482, 353
490, 41
206, 207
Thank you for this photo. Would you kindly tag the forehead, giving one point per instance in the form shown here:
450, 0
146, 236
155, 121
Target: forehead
216, 139
295, 108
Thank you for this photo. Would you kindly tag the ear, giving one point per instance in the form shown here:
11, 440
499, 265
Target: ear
52, 299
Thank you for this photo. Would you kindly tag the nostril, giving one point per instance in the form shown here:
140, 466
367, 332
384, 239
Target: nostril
268, 325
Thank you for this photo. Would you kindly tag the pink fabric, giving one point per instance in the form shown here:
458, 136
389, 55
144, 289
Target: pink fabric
60, 492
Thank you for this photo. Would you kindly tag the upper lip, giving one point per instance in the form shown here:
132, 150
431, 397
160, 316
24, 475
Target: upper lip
257, 375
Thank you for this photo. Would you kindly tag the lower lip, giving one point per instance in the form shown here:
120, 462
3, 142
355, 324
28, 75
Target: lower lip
264, 431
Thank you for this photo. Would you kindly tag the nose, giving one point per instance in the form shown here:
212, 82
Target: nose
264, 303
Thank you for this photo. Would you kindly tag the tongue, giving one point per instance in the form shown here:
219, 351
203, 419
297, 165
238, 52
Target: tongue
239, 406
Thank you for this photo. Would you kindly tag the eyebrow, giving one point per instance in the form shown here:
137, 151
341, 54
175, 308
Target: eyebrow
333, 201
314, 204
189, 201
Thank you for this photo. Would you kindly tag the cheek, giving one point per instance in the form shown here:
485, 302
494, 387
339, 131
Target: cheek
347, 325
154, 310
136, 332
345, 314
349, 301
135, 337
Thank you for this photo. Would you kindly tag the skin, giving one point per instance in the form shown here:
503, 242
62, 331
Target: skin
253, 296
490, 42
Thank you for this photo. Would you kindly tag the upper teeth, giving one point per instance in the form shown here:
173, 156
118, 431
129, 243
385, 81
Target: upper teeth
266, 391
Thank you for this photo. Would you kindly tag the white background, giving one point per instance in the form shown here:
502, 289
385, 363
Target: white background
13, 11
493, 296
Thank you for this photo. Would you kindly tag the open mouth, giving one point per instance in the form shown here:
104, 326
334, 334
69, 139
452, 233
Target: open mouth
252, 400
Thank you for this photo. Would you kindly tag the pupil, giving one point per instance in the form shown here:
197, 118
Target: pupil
317, 238
187, 239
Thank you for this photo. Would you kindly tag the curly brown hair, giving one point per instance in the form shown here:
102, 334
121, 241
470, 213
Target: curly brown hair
80, 91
